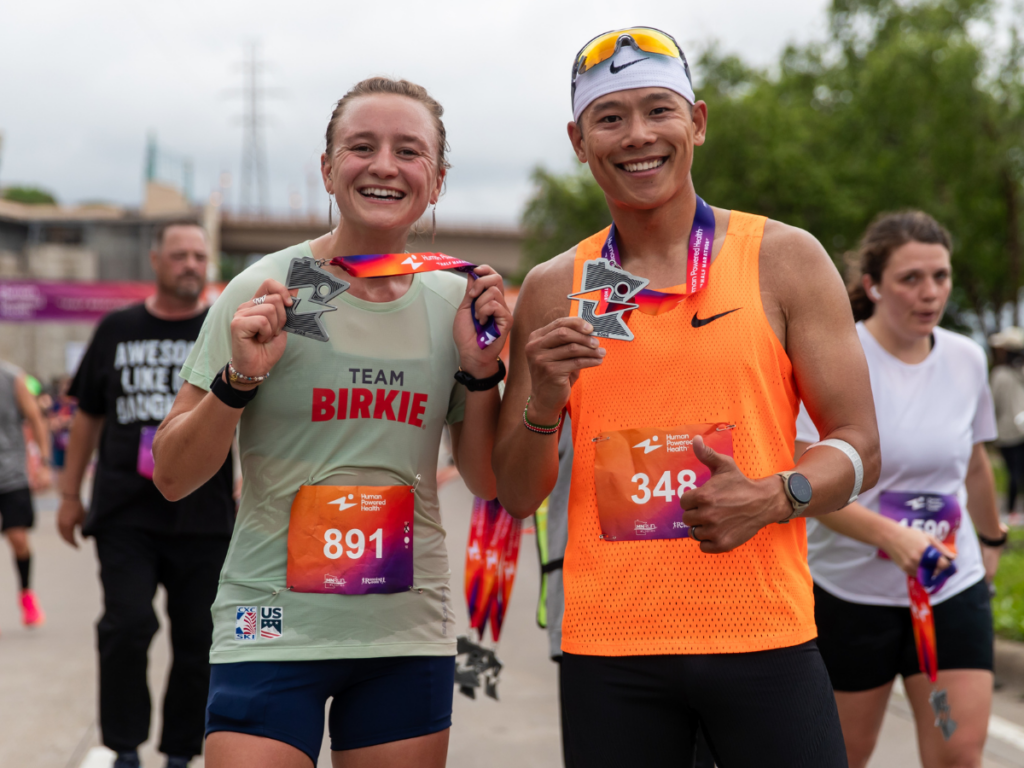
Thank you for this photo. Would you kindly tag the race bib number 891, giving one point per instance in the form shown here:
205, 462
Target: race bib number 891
641, 473
351, 540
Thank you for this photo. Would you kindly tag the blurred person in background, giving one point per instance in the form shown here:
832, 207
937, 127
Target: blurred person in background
125, 386
17, 514
1007, 381
935, 414
59, 418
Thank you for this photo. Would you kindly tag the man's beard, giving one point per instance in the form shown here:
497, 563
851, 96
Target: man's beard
189, 289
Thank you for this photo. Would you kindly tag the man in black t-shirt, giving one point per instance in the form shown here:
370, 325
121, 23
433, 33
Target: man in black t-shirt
125, 386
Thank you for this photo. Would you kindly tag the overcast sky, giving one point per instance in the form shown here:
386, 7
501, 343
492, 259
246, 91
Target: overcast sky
81, 84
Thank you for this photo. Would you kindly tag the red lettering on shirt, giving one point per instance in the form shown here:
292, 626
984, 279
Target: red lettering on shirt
419, 406
361, 399
323, 404
383, 406
328, 405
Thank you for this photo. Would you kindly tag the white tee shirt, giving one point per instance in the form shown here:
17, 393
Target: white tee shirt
930, 416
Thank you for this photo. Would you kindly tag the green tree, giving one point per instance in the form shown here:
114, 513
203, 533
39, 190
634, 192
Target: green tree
564, 209
916, 104
28, 195
902, 107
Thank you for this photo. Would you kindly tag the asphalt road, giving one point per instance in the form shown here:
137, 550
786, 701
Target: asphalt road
48, 675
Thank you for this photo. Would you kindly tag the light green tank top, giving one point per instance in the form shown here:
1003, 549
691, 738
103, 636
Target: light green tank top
287, 441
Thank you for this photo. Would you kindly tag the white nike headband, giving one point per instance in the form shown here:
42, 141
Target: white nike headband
631, 68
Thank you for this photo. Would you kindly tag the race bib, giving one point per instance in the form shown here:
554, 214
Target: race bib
935, 514
351, 539
641, 473
145, 465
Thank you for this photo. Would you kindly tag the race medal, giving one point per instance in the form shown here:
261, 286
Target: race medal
145, 464
608, 293
936, 514
641, 473
351, 539
604, 299
316, 287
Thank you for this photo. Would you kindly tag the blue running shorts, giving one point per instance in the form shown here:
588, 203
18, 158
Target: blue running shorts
375, 700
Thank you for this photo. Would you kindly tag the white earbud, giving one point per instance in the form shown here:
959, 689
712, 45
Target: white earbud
875, 293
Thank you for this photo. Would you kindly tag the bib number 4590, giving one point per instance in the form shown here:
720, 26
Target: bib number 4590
355, 540
687, 480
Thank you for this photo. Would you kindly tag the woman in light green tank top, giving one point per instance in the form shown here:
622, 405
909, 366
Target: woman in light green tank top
336, 581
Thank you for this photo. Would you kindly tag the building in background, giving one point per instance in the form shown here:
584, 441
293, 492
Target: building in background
64, 267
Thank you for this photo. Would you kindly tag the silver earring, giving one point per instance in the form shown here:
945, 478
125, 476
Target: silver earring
433, 219
330, 211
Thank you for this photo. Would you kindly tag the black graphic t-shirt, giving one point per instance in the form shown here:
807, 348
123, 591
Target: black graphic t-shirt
129, 376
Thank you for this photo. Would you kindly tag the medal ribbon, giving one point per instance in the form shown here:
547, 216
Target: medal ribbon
492, 554
923, 621
392, 264
698, 261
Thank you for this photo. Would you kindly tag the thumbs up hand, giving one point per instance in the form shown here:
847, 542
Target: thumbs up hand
730, 508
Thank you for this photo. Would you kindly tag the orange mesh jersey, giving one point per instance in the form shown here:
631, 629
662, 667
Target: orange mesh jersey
666, 596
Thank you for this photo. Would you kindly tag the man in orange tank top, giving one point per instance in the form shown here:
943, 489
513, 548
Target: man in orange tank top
682, 341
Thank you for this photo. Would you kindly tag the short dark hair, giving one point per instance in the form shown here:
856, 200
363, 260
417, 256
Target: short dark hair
161, 231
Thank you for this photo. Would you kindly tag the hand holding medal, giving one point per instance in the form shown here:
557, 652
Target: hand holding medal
257, 332
482, 311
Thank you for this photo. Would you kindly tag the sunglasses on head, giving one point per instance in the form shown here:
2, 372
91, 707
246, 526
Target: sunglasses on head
645, 39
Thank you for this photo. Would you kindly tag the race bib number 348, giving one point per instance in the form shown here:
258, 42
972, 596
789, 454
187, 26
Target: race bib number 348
641, 473
351, 539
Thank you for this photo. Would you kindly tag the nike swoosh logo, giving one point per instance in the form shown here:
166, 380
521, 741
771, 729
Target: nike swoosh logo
698, 323
615, 70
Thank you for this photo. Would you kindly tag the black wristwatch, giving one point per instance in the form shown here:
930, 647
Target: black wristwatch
474, 384
231, 397
798, 491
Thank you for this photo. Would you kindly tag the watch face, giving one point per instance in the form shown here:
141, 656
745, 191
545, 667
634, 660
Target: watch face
800, 488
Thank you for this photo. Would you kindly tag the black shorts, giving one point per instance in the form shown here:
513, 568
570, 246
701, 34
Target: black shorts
375, 701
757, 710
865, 646
16, 510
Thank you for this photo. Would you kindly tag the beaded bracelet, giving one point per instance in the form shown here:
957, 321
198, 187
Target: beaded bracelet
540, 430
234, 375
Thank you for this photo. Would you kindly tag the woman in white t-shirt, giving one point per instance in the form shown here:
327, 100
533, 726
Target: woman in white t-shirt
934, 413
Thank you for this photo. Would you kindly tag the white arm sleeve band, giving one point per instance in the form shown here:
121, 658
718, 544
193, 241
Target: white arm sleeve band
854, 457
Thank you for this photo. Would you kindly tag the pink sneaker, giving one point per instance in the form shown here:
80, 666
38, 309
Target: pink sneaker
31, 614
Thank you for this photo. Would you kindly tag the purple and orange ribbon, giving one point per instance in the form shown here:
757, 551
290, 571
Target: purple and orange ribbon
923, 620
492, 554
392, 264
698, 262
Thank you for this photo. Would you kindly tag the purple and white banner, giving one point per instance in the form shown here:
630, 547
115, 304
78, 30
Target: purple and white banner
35, 300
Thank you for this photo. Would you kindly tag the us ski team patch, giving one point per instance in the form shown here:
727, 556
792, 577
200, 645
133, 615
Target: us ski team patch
271, 623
